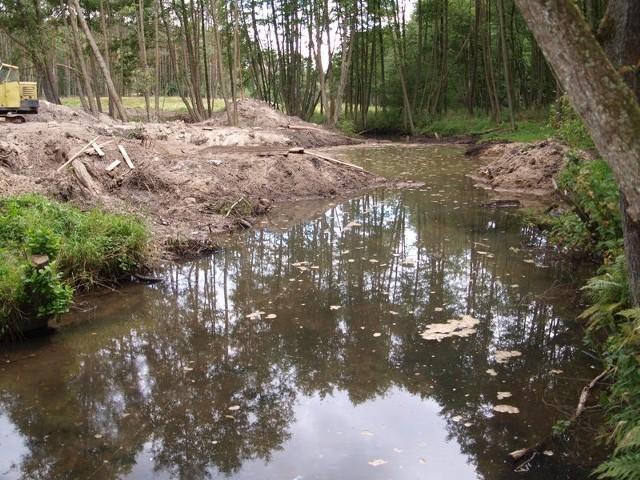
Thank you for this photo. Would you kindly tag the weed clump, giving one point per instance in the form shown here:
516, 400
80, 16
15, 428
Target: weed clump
48, 249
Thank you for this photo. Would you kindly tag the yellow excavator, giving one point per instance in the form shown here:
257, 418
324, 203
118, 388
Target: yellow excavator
16, 97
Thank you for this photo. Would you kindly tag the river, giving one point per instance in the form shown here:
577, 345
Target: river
306, 349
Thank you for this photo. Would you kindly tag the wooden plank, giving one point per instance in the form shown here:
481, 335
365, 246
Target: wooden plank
77, 153
112, 165
331, 159
125, 155
97, 148
305, 127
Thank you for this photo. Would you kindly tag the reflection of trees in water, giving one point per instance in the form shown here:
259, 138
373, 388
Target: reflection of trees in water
167, 385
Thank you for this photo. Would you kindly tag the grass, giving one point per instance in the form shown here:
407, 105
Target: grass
167, 104
84, 249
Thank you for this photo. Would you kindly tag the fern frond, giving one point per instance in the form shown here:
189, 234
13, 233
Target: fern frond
623, 467
632, 314
630, 440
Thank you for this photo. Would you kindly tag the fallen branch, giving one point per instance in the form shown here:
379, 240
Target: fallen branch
77, 153
522, 457
232, 206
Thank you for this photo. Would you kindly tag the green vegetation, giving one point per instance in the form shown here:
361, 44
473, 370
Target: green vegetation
611, 318
167, 104
568, 126
593, 227
84, 249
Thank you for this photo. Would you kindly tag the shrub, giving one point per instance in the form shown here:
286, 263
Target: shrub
568, 125
593, 226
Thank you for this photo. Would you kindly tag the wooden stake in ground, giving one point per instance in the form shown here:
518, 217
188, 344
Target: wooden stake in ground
125, 155
76, 154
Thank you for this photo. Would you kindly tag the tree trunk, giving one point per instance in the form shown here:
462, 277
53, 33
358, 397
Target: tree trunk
88, 88
505, 60
618, 34
144, 64
604, 102
113, 94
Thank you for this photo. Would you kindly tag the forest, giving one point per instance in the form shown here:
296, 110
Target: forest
389, 67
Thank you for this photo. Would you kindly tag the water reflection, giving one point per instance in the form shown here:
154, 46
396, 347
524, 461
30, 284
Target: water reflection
296, 352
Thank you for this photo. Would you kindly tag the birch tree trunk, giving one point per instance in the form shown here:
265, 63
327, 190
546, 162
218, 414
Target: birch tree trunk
603, 101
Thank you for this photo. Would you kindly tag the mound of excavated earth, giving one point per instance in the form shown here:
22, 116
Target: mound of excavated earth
187, 180
521, 169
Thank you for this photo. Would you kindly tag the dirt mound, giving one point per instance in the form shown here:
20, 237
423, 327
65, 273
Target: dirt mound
50, 112
185, 178
521, 168
253, 113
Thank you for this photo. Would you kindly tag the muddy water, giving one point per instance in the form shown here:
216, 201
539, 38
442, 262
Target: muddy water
296, 352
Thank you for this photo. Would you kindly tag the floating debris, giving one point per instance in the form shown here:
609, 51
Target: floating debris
492, 372
453, 328
506, 409
502, 356
502, 395
377, 462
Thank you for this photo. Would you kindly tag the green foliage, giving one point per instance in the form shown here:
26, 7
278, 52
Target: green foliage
568, 126
608, 294
103, 248
385, 122
528, 131
45, 290
346, 127
560, 427
593, 226
84, 249
621, 467
623, 357
609, 314
454, 123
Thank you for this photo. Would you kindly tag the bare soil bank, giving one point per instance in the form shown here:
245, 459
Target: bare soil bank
186, 177
521, 171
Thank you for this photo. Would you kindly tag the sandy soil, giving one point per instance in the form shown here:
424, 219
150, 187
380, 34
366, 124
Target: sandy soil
185, 176
521, 171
